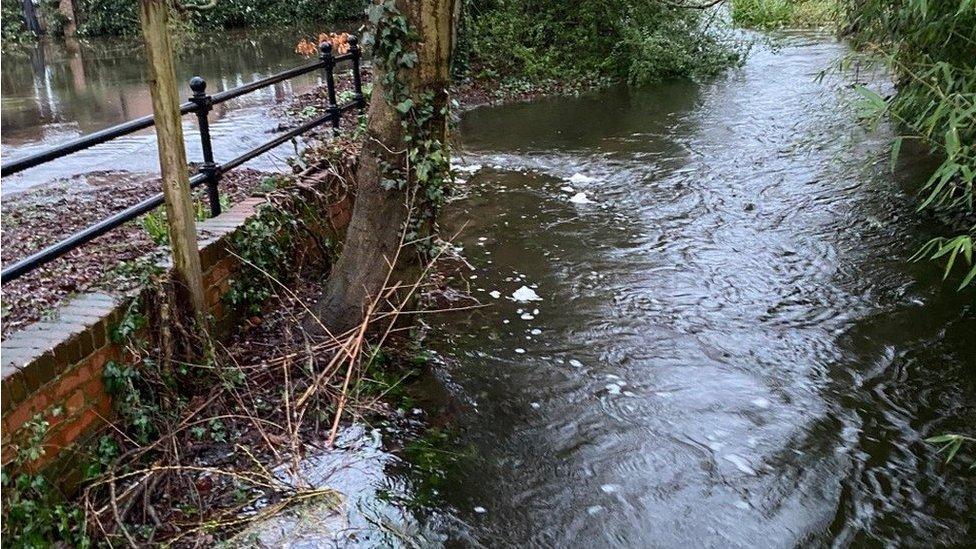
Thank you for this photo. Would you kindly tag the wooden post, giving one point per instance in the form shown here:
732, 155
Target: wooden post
172, 151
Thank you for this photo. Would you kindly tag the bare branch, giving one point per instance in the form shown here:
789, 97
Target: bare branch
705, 6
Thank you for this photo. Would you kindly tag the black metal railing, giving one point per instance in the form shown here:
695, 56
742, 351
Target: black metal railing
210, 171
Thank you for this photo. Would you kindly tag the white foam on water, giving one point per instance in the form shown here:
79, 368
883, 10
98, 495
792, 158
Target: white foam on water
525, 294
578, 178
580, 198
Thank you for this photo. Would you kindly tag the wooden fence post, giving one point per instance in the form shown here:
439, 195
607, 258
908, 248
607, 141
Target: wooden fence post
172, 152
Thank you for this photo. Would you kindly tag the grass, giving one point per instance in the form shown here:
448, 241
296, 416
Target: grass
769, 14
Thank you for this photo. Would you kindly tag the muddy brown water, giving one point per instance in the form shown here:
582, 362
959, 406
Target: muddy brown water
731, 348
55, 92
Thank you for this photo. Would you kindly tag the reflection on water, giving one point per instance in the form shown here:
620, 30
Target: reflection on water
731, 350
57, 92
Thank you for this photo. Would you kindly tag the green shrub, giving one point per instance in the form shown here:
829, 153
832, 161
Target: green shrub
618, 39
13, 31
785, 13
121, 17
930, 47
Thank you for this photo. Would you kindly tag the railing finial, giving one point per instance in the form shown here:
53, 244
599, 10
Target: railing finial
198, 85
325, 51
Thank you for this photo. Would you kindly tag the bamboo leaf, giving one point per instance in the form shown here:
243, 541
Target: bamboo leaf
940, 439
952, 142
969, 278
876, 103
895, 150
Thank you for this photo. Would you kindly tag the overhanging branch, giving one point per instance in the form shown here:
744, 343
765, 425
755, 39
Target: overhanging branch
683, 6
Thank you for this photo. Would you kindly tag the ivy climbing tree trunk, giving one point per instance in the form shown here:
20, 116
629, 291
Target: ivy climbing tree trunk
404, 161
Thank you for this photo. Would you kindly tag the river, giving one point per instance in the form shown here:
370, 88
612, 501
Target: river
55, 92
731, 346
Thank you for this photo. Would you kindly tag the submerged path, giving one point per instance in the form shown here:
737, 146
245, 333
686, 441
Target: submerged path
731, 347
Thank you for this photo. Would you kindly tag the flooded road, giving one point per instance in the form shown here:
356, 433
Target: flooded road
57, 92
730, 347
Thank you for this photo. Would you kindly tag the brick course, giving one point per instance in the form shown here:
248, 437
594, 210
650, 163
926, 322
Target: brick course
58, 364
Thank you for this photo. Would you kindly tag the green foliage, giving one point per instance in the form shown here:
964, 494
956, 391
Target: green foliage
930, 46
674, 47
35, 514
768, 14
640, 41
157, 228
268, 13
56, 21
953, 249
131, 399
109, 18
381, 378
105, 452
950, 445
131, 322
154, 224
266, 247
121, 17
13, 31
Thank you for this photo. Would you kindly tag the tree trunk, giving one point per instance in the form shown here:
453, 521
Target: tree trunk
380, 215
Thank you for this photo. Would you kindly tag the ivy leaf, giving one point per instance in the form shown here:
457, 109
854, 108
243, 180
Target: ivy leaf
409, 59
375, 13
404, 106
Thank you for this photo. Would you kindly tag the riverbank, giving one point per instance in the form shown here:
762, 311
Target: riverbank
114, 18
201, 448
44, 215
224, 425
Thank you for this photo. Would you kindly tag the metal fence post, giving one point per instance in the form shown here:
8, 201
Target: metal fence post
209, 169
325, 54
357, 80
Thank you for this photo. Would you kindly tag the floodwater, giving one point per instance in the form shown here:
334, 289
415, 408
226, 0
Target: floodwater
56, 92
731, 347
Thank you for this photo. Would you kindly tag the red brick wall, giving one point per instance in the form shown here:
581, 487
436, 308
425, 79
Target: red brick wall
58, 364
